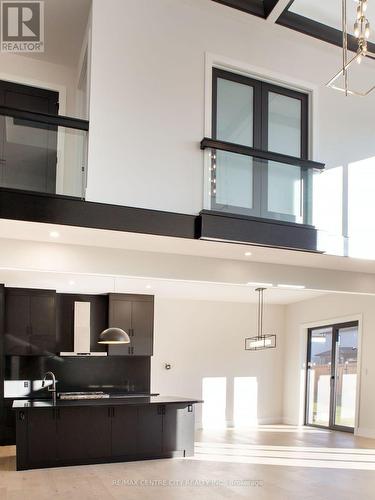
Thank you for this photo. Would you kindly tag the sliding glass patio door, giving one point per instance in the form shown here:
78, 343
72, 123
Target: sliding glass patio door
331, 381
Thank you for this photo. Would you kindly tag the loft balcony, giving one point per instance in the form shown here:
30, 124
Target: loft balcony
259, 196
43, 178
43, 153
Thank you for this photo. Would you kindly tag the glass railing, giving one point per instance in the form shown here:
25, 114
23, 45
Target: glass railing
43, 153
247, 181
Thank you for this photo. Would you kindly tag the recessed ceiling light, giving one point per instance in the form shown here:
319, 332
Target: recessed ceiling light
54, 234
259, 283
293, 287
148, 287
248, 254
71, 282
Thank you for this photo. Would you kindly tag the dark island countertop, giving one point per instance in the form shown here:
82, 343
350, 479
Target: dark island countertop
118, 401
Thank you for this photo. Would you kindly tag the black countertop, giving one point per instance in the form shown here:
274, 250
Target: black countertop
118, 401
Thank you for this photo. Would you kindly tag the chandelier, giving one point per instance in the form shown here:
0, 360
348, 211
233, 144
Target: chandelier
261, 340
362, 34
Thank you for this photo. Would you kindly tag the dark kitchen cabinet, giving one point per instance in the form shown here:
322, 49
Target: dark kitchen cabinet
150, 429
135, 315
124, 434
7, 423
43, 323
41, 435
83, 434
96, 433
30, 321
17, 322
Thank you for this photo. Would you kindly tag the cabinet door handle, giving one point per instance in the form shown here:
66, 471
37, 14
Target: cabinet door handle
132, 350
21, 416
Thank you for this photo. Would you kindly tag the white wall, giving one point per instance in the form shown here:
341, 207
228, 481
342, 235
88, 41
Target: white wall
329, 308
206, 339
148, 100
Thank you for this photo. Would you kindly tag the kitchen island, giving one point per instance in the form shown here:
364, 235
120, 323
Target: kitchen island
80, 432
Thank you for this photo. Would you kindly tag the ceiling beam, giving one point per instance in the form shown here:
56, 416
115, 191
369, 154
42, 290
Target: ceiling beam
274, 8
254, 7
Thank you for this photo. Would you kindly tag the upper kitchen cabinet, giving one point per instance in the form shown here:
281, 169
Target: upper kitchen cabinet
30, 321
135, 315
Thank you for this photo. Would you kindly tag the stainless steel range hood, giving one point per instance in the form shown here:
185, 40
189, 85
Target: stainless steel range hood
82, 332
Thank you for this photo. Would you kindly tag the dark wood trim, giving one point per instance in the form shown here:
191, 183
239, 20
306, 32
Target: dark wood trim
263, 232
260, 8
256, 219
55, 209
259, 153
254, 7
268, 6
48, 119
29, 89
295, 22
318, 30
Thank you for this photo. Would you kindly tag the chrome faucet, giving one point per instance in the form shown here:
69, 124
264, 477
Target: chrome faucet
51, 388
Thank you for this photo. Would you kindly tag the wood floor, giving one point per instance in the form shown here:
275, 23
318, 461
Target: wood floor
270, 462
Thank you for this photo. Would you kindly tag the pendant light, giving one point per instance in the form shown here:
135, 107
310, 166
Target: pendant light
262, 340
114, 335
362, 34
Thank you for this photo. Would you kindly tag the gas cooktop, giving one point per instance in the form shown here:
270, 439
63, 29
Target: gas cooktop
83, 395
102, 395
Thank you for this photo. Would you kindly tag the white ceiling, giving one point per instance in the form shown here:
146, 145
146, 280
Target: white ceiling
21, 230
329, 12
173, 289
65, 23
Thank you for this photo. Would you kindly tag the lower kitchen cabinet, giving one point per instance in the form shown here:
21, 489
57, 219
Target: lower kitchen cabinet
124, 430
51, 437
83, 433
150, 429
7, 423
41, 436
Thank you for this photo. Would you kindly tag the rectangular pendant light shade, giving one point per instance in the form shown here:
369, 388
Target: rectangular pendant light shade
266, 341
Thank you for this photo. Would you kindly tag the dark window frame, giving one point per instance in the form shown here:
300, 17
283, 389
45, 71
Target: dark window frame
261, 90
